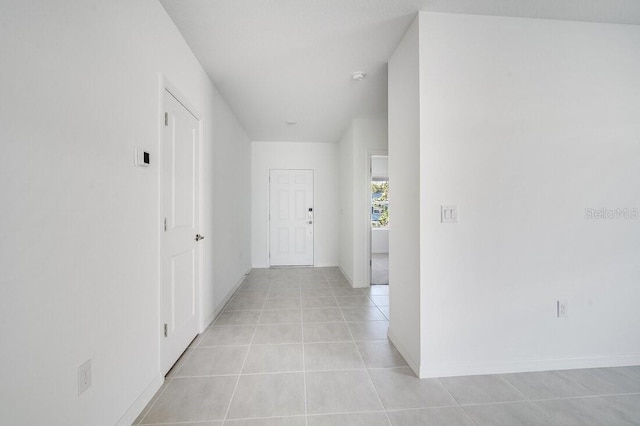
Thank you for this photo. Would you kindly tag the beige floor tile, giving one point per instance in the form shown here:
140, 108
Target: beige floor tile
509, 414
629, 404
309, 292
193, 399
286, 303
331, 356
227, 335
331, 392
280, 293
352, 419
285, 316
369, 330
326, 332
212, 361
319, 302
481, 389
376, 290
606, 381
275, 421
345, 301
237, 318
362, 313
382, 300
278, 333
546, 385
348, 292
322, 315
268, 395
380, 354
399, 388
585, 412
440, 416
273, 359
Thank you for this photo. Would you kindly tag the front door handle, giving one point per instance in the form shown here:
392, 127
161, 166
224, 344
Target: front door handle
199, 237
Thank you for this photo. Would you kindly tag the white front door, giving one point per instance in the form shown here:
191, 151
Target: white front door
291, 217
180, 207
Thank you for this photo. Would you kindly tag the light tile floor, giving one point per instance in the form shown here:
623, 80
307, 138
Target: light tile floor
299, 346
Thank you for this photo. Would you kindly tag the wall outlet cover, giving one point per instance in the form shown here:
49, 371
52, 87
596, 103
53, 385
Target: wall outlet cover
84, 377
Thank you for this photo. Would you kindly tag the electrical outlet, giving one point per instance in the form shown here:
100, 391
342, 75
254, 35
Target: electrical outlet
563, 309
84, 377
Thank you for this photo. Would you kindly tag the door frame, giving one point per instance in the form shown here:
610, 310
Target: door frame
367, 222
166, 85
313, 197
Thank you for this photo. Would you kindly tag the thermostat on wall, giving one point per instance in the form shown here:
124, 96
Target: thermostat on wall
141, 158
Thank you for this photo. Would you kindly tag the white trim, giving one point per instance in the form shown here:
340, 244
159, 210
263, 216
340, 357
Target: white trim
138, 405
210, 318
506, 367
167, 86
346, 275
367, 223
313, 197
413, 363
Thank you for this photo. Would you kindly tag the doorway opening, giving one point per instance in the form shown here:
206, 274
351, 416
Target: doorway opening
379, 253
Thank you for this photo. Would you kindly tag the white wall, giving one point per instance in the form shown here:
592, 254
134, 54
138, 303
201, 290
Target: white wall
345, 187
363, 138
379, 240
380, 167
80, 225
228, 255
404, 198
322, 158
525, 124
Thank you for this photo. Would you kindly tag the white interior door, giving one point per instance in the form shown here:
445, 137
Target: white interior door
291, 217
180, 254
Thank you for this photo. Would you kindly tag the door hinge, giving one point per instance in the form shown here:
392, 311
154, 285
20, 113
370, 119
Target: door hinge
370, 262
165, 224
166, 331
166, 118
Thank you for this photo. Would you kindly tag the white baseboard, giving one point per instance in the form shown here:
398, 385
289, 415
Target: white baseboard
346, 276
211, 317
505, 367
411, 361
136, 408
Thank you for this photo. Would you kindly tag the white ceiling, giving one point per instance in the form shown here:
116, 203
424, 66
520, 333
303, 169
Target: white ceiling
279, 60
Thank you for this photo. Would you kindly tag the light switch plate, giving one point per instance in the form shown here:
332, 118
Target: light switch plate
449, 214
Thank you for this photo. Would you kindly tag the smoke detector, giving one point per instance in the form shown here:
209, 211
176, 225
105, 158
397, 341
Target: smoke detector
358, 75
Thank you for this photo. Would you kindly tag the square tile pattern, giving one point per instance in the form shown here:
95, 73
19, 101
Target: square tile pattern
300, 347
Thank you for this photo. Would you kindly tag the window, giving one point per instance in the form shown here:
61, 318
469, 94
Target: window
379, 203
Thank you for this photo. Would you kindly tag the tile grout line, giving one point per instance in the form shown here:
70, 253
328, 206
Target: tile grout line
456, 401
304, 372
546, 413
233, 394
612, 405
527, 399
368, 373
156, 401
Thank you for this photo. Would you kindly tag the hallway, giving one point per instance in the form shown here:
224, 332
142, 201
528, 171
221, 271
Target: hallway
299, 346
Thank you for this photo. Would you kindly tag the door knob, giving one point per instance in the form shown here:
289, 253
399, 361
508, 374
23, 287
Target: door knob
199, 237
